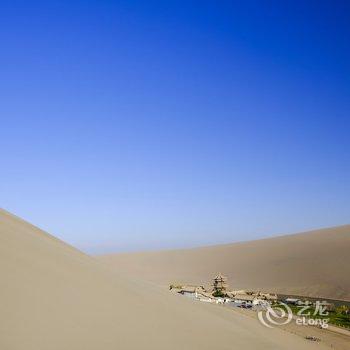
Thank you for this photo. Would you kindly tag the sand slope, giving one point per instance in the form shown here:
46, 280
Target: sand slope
54, 297
315, 263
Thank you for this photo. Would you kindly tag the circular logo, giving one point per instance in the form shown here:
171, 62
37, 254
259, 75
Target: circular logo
277, 316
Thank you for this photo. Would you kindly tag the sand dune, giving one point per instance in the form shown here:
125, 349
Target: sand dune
314, 263
55, 297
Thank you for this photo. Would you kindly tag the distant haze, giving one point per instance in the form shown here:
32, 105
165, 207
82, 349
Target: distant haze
133, 126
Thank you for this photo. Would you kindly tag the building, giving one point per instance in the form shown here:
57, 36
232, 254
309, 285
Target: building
269, 297
204, 296
244, 298
232, 293
292, 301
219, 285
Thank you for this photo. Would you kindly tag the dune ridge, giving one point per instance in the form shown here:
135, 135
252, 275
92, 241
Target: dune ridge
314, 263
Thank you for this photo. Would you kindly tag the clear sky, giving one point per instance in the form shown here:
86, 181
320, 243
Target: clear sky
130, 125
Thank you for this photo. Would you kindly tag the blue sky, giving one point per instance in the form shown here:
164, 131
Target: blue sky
147, 124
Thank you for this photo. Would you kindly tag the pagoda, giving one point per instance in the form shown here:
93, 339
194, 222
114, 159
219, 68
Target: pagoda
219, 284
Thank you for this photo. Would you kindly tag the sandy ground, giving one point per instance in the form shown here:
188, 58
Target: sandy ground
55, 297
329, 338
314, 263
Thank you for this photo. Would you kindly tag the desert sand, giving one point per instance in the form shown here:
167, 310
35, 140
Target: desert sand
315, 263
55, 297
